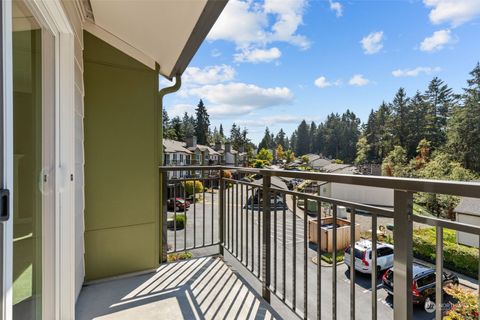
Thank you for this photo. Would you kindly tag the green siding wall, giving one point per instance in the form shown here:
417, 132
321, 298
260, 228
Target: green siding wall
122, 135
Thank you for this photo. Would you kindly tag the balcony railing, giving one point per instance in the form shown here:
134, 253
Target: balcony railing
269, 235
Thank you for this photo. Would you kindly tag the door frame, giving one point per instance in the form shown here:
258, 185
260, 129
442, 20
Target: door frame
58, 232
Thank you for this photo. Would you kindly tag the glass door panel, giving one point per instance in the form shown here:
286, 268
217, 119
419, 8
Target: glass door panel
27, 163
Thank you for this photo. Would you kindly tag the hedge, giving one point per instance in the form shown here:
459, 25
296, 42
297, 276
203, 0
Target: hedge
457, 257
188, 185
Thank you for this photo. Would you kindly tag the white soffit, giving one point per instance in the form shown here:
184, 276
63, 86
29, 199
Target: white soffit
167, 32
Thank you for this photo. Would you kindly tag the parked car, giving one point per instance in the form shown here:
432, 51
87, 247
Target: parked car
180, 204
423, 286
363, 256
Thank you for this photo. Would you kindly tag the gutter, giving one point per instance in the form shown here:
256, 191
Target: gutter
167, 90
163, 193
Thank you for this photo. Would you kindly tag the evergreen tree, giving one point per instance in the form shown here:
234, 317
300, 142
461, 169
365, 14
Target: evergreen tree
440, 100
303, 139
401, 113
202, 123
188, 126
176, 128
236, 136
280, 139
221, 132
464, 127
313, 133
266, 140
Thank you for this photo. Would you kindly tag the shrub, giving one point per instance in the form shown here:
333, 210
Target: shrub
227, 174
179, 256
259, 163
188, 185
181, 220
456, 256
466, 307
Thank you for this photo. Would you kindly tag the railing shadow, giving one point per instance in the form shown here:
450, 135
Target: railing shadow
201, 288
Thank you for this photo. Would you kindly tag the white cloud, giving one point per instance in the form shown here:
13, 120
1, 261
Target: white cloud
436, 41
271, 120
258, 55
322, 82
372, 43
415, 72
208, 75
215, 53
180, 109
238, 93
455, 12
237, 98
358, 80
337, 7
252, 25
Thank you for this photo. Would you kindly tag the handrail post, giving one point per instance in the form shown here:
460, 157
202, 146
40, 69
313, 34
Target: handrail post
403, 257
221, 211
266, 248
163, 208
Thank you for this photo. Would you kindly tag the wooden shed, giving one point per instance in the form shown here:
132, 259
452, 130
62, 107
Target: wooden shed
326, 233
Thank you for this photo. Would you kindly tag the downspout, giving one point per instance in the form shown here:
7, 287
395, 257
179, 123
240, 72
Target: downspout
163, 177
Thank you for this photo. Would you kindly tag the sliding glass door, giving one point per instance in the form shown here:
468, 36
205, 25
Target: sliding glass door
32, 110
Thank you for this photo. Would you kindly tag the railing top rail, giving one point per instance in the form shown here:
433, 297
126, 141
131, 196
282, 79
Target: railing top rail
188, 168
455, 188
386, 212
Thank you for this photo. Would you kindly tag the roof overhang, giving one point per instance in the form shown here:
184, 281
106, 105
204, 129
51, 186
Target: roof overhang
163, 33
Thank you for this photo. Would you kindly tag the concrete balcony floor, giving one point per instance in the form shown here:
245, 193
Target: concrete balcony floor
200, 288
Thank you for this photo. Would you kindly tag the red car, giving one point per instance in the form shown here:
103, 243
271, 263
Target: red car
180, 204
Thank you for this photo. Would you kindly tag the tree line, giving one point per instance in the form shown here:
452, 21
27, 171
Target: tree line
179, 128
448, 121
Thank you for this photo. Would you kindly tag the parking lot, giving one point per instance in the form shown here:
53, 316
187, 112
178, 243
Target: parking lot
203, 227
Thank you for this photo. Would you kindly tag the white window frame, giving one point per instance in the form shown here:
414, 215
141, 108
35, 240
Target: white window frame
58, 232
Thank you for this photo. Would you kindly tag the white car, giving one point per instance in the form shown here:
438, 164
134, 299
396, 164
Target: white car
363, 256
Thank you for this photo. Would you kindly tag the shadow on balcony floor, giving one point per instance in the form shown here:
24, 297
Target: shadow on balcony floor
202, 288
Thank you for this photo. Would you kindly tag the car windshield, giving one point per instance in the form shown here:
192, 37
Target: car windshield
358, 253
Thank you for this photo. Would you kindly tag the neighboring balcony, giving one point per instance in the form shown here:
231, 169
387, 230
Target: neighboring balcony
254, 257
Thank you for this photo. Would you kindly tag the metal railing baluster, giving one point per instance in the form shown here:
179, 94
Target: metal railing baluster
305, 259
236, 220
275, 243
334, 265
294, 255
246, 226
212, 216
352, 263
203, 210
439, 273
319, 261
194, 200
266, 246
186, 220
284, 249
374, 266
241, 222
174, 217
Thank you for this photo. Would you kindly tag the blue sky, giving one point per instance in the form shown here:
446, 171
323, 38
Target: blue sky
275, 62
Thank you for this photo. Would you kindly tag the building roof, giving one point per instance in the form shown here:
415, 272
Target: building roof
203, 148
319, 163
312, 156
340, 168
171, 146
156, 33
469, 206
274, 181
